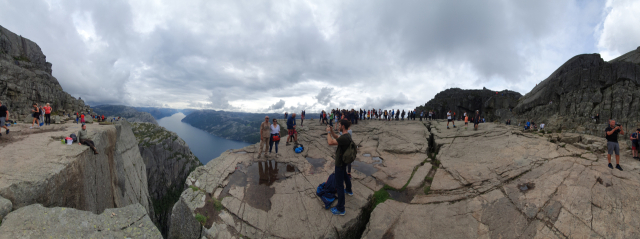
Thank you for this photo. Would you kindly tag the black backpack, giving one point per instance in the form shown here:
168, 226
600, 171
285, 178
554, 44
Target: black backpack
350, 153
74, 137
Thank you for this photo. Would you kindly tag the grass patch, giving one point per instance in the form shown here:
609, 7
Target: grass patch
217, 204
201, 218
194, 188
21, 58
380, 196
427, 189
428, 179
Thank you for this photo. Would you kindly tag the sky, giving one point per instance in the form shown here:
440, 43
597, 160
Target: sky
276, 56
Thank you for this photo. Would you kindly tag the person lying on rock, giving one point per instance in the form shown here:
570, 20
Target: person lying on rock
83, 138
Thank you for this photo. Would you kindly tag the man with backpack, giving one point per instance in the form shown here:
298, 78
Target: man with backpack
345, 155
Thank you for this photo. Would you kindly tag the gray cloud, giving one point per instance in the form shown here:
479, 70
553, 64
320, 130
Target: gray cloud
394, 54
324, 96
278, 105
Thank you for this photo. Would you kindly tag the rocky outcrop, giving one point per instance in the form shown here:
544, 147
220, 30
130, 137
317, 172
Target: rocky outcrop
126, 112
25, 78
501, 182
238, 193
493, 105
583, 87
168, 161
5, 207
36, 221
38, 168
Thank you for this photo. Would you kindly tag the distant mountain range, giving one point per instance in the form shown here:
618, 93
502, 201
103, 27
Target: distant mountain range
127, 112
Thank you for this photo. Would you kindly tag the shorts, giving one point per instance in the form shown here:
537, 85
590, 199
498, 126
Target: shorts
36, 115
613, 146
634, 145
292, 132
448, 120
466, 123
2, 121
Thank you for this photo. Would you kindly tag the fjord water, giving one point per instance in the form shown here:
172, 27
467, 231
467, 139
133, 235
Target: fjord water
204, 145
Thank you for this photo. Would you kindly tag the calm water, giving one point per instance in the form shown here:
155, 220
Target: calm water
204, 145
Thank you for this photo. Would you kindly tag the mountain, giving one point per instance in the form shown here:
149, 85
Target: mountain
159, 113
230, 125
493, 105
582, 87
26, 78
129, 113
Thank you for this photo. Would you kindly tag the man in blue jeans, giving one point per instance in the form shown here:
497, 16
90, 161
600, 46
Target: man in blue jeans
341, 169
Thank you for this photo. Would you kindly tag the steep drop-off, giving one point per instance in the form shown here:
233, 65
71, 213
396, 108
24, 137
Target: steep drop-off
168, 161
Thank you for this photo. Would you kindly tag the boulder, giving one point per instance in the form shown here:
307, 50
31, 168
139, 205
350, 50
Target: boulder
5, 207
492, 106
570, 138
36, 221
56, 119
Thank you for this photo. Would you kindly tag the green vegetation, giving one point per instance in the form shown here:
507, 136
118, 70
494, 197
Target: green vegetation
427, 189
380, 196
21, 58
428, 179
194, 188
217, 204
201, 218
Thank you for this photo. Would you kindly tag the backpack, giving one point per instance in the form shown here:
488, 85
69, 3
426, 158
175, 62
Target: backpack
350, 153
327, 191
74, 137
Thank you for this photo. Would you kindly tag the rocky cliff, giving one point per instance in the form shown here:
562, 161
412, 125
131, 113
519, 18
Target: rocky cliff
492, 105
168, 161
38, 168
25, 78
129, 113
582, 87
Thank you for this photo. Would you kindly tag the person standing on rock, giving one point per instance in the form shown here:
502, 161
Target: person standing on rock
82, 118
291, 128
476, 120
275, 131
341, 176
448, 118
634, 144
611, 133
36, 115
301, 118
265, 133
83, 138
47, 114
4, 116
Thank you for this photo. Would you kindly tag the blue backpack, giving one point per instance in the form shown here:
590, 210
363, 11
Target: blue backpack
327, 191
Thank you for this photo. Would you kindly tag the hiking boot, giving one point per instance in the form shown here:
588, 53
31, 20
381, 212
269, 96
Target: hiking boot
618, 167
7, 131
610, 166
287, 144
348, 193
447, 127
335, 211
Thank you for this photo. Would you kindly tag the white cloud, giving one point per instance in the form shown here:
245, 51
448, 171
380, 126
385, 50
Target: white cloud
619, 32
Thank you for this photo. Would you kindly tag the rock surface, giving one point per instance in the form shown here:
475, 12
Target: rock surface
38, 168
168, 161
582, 87
25, 78
500, 182
238, 193
492, 106
126, 112
5, 207
36, 221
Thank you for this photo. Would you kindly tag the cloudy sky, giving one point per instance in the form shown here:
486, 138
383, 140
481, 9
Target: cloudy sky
289, 55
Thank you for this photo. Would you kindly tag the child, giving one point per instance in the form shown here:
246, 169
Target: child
466, 121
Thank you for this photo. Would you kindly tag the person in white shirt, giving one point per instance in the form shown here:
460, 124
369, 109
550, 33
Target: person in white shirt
449, 119
275, 131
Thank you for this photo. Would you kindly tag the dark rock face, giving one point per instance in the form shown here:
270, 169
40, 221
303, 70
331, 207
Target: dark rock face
582, 87
492, 105
25, 78
168, 161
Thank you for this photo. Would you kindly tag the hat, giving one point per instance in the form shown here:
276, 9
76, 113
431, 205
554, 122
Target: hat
83, 124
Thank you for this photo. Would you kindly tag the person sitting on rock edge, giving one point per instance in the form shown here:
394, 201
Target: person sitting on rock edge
83, 138
611, 133
4, 116
340, 169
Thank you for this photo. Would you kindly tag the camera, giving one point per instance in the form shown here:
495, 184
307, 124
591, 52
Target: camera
618, 125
